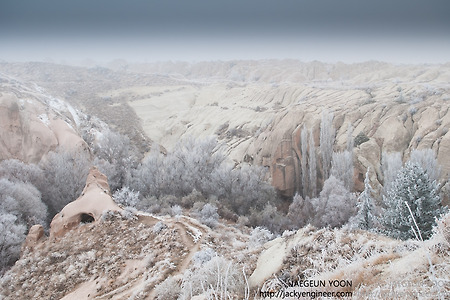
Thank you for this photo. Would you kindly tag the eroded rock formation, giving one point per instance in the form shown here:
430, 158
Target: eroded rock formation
93, 201
32, 123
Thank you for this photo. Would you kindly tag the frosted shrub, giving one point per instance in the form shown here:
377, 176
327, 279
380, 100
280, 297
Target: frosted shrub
65, 176
126, 197
196, 170
169, 289
335, 204
218, 278
249, 189
176, 210
189, 200
158, 227
115, 157
22, 200
203, 256
208, 215
16, 171
12, 236
300, 212
259, 236
269, 218
129, 213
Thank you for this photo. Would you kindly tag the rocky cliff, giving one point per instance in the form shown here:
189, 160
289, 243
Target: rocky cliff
259, 109
32, 122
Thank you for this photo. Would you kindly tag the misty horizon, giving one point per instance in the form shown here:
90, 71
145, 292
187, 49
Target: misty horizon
148, 31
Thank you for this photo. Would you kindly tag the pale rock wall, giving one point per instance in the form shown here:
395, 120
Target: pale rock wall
31, 124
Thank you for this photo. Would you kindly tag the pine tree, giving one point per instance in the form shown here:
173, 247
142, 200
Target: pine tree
365, 219
412, 188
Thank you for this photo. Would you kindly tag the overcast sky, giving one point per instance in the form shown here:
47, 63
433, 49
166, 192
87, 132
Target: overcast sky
402, 31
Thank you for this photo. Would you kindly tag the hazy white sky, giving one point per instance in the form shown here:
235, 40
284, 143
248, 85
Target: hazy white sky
148, 30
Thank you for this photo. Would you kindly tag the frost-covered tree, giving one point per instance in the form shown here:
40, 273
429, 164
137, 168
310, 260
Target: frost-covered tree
22, 200
200, 164
414, 193
350, 140
115, 157
11, 237
426, 158
342, 168
196, 160
259, 236
148, 177
18, 171
65, 176
269, 218
300, 212
327, 136
312, 166
334, 206
391, 163
304, 149
250, 186
365, 218
126, 197
208, 215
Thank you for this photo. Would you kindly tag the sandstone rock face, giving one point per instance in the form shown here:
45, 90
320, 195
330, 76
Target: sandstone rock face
93, 201
259, 109
33, 123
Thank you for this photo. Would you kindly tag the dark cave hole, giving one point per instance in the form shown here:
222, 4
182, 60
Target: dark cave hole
86, 218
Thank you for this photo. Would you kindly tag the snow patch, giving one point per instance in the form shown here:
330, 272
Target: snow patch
195, 233
44, 119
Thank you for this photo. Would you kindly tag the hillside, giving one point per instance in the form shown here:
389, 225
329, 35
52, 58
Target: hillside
260, 107
131, 255
224, 180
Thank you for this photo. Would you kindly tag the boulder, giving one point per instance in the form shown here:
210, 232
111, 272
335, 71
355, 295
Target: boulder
35, 235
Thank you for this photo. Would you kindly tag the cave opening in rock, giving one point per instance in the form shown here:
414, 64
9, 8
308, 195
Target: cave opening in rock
86, 218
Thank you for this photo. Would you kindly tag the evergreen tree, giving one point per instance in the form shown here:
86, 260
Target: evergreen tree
411, 190
365, 218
